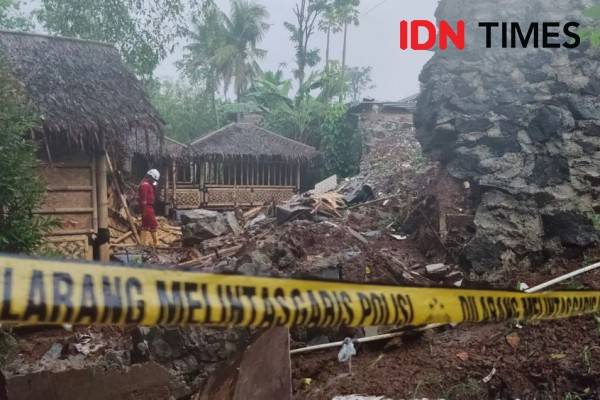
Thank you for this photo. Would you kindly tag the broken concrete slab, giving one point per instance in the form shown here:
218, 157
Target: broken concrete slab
147, 381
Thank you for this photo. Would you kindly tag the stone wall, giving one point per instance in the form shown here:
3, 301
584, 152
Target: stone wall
522, 125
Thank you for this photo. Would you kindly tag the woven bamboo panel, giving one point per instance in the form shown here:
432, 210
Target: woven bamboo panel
75, 247
246, 196
188, 199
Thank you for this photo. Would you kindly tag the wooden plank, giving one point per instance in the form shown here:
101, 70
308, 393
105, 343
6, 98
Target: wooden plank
66, 210
71, 232
122, 238
69, 188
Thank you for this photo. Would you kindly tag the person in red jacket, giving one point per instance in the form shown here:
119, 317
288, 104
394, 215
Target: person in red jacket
146, 201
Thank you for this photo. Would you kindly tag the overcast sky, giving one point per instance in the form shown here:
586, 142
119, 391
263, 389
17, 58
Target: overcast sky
374, 43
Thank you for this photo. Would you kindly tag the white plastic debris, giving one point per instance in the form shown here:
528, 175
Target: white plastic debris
347, 351
359, 397
488, 378
399, 237
436, 268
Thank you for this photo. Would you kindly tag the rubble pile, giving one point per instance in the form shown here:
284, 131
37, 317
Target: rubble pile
122, 234
392, 156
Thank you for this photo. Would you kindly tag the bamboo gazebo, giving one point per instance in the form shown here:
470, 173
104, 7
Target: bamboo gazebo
242, 165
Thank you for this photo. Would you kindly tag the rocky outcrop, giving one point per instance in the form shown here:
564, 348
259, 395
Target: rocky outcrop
521, 125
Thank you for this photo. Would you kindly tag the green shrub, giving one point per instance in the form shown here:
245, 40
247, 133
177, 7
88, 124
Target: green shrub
21, 231
341, 142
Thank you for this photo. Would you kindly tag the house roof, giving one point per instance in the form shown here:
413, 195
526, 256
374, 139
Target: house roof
408, 104
83, 92
239, 139
175, 149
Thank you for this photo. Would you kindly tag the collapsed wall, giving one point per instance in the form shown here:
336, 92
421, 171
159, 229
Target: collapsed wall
521, 125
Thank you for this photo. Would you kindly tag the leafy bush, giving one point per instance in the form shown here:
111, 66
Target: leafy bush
21, 231
591, 31
340, 142
311, 119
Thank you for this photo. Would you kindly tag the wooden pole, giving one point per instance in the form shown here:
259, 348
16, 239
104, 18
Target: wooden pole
167, 175
123, 200
174, 185
298, 177
102, 195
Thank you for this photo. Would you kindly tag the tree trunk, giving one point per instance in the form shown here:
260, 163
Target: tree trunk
344, 57
345, 47
212, 88
327, 49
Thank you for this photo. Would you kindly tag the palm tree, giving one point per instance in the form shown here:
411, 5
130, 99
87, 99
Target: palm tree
328, 24
237, 60
205, 43
223, 48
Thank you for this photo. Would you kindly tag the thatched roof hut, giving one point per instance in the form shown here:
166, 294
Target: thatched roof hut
248, 140
242, 165
84, 94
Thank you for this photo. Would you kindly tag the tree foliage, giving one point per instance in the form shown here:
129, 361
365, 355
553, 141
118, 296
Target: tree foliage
143, 30
341, 141
186, 109
307, 14
224, 48
237, 61
359, 80
311, 118
21, 231
592, 32
206, 41
10, 16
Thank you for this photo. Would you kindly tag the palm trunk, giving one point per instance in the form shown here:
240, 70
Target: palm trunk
213, 98
344, 57
327, 50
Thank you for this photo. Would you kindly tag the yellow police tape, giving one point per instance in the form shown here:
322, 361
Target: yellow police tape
39, 291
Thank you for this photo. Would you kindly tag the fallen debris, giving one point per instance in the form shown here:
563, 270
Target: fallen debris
268, 356
436, 269
346, 353
355, 192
